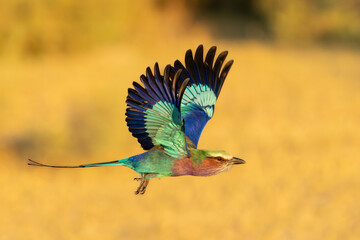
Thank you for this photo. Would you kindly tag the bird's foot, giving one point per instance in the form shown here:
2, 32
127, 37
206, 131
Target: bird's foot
142, 188
143, 184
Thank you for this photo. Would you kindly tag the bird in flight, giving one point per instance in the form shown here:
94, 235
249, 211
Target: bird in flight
167, 114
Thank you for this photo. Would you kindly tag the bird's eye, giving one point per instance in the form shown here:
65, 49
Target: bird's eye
218, 158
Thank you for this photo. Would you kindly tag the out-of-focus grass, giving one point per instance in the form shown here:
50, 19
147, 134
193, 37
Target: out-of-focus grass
39, 28
292, 114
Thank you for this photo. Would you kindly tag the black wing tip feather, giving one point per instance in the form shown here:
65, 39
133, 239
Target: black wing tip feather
157, 71
226, 69
182, 88
209, 59
209, 71
199, 51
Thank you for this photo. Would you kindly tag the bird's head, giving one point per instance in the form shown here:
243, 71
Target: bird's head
222, 160
224, 156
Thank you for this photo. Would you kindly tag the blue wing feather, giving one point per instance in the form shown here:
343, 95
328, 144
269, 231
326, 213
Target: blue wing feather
194, 125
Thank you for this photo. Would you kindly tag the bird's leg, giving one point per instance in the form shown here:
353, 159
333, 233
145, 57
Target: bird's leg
143, 184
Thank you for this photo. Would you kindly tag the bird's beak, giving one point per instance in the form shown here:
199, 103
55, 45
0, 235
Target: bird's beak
236, 160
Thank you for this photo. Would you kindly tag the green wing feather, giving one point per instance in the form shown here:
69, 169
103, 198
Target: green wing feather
153, 113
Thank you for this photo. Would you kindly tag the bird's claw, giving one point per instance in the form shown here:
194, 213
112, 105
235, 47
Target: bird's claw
142, 188
139, 192
143, 184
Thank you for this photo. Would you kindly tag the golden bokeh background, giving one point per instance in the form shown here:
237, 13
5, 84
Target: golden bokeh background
290, 107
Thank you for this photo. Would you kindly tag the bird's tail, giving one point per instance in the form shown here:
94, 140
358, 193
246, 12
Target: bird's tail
112, 163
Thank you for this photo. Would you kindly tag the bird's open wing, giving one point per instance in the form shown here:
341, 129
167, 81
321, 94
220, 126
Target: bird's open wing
153, 113
206, 81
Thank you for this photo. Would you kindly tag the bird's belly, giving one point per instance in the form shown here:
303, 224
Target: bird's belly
183, 167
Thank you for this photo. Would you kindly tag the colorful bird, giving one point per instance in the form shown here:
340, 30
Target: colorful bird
167, 115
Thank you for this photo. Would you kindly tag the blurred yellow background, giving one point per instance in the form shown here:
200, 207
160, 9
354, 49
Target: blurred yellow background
290, 107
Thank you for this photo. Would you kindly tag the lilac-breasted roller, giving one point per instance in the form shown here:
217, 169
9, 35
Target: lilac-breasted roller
167, 114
